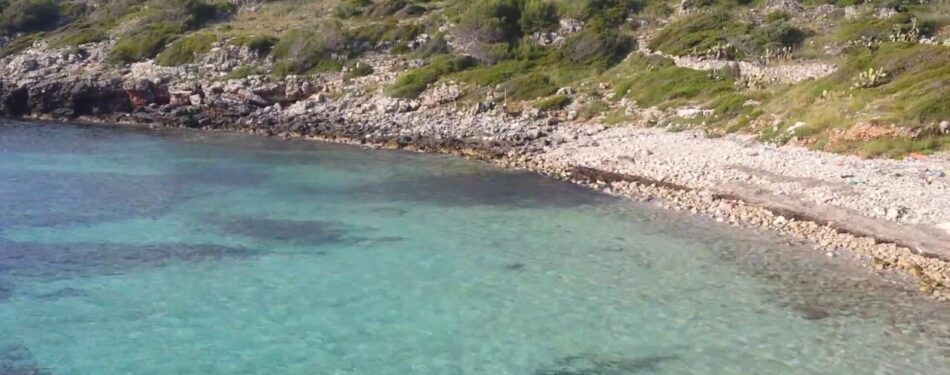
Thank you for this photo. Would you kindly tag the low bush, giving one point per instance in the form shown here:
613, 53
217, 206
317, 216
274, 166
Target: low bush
78, 33
186, 49
537, 15
351, 8
555, 102
593, 46
701, 32
144, 43
696, 32
659, 82
435, 46
529, 86
261, 45
162, 22
413, 83
359, 70
29, 15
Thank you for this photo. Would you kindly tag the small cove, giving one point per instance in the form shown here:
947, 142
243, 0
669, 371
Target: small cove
163, 252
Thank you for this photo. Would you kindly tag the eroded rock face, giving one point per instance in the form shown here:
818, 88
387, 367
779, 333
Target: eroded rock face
144, 92
63, 99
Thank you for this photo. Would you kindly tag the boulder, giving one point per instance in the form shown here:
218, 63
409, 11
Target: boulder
144, 92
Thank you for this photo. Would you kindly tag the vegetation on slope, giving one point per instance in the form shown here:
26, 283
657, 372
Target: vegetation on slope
885, 76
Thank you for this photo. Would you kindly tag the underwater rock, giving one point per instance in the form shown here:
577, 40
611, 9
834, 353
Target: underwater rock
593, 365
63, 293
84, 259
16, 359
515, 266
810, 312
309, 232
7, 289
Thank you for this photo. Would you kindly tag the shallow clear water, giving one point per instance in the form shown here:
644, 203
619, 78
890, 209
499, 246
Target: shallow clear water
142, 252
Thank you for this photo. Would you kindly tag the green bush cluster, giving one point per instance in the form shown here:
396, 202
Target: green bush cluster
261, 45
351, 8
29, 15
657, 81
600, 13
390, 31
163, 21
702, 31
555, 102
596, 46
309, 51
413, 83
359, 70
186, 49
299, 52
144, 43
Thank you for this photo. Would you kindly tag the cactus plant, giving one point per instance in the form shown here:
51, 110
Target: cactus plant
870, 78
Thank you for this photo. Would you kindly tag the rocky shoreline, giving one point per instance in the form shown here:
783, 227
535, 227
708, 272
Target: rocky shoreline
892, 215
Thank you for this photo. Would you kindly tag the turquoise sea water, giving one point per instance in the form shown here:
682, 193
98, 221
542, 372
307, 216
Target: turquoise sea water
157, 252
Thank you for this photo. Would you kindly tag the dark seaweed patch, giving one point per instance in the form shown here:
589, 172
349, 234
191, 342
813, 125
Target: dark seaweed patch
7, 289
16, 359
63, 293
593, 365
483, 188
57, 199
49, 139
515, 266
48, 199
209, 173
306, 232
84, 259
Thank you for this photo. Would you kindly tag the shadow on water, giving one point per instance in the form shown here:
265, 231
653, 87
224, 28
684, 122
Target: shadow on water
17, 359
495, 188
84, 259
587, 364
304, 232
7, 289
49, 199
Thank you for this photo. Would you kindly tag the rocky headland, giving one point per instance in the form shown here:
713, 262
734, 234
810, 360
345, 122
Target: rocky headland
892, 215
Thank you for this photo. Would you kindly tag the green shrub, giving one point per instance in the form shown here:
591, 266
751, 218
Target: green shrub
184, 50
593, 109
29, 15
775, 35
385, 8
359, 70
164, 21
486, 23
145, 43
435, 46
351, 8
243, 72
777, 15
700, 32
603, 13
389, 31
302, 52
414, 82
261, 45
696, 32
537, 15
400, 48
596, 46
78, 33
657, 81
555, 102
529, 86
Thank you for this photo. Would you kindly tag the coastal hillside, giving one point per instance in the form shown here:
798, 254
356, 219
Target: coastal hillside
870, 78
